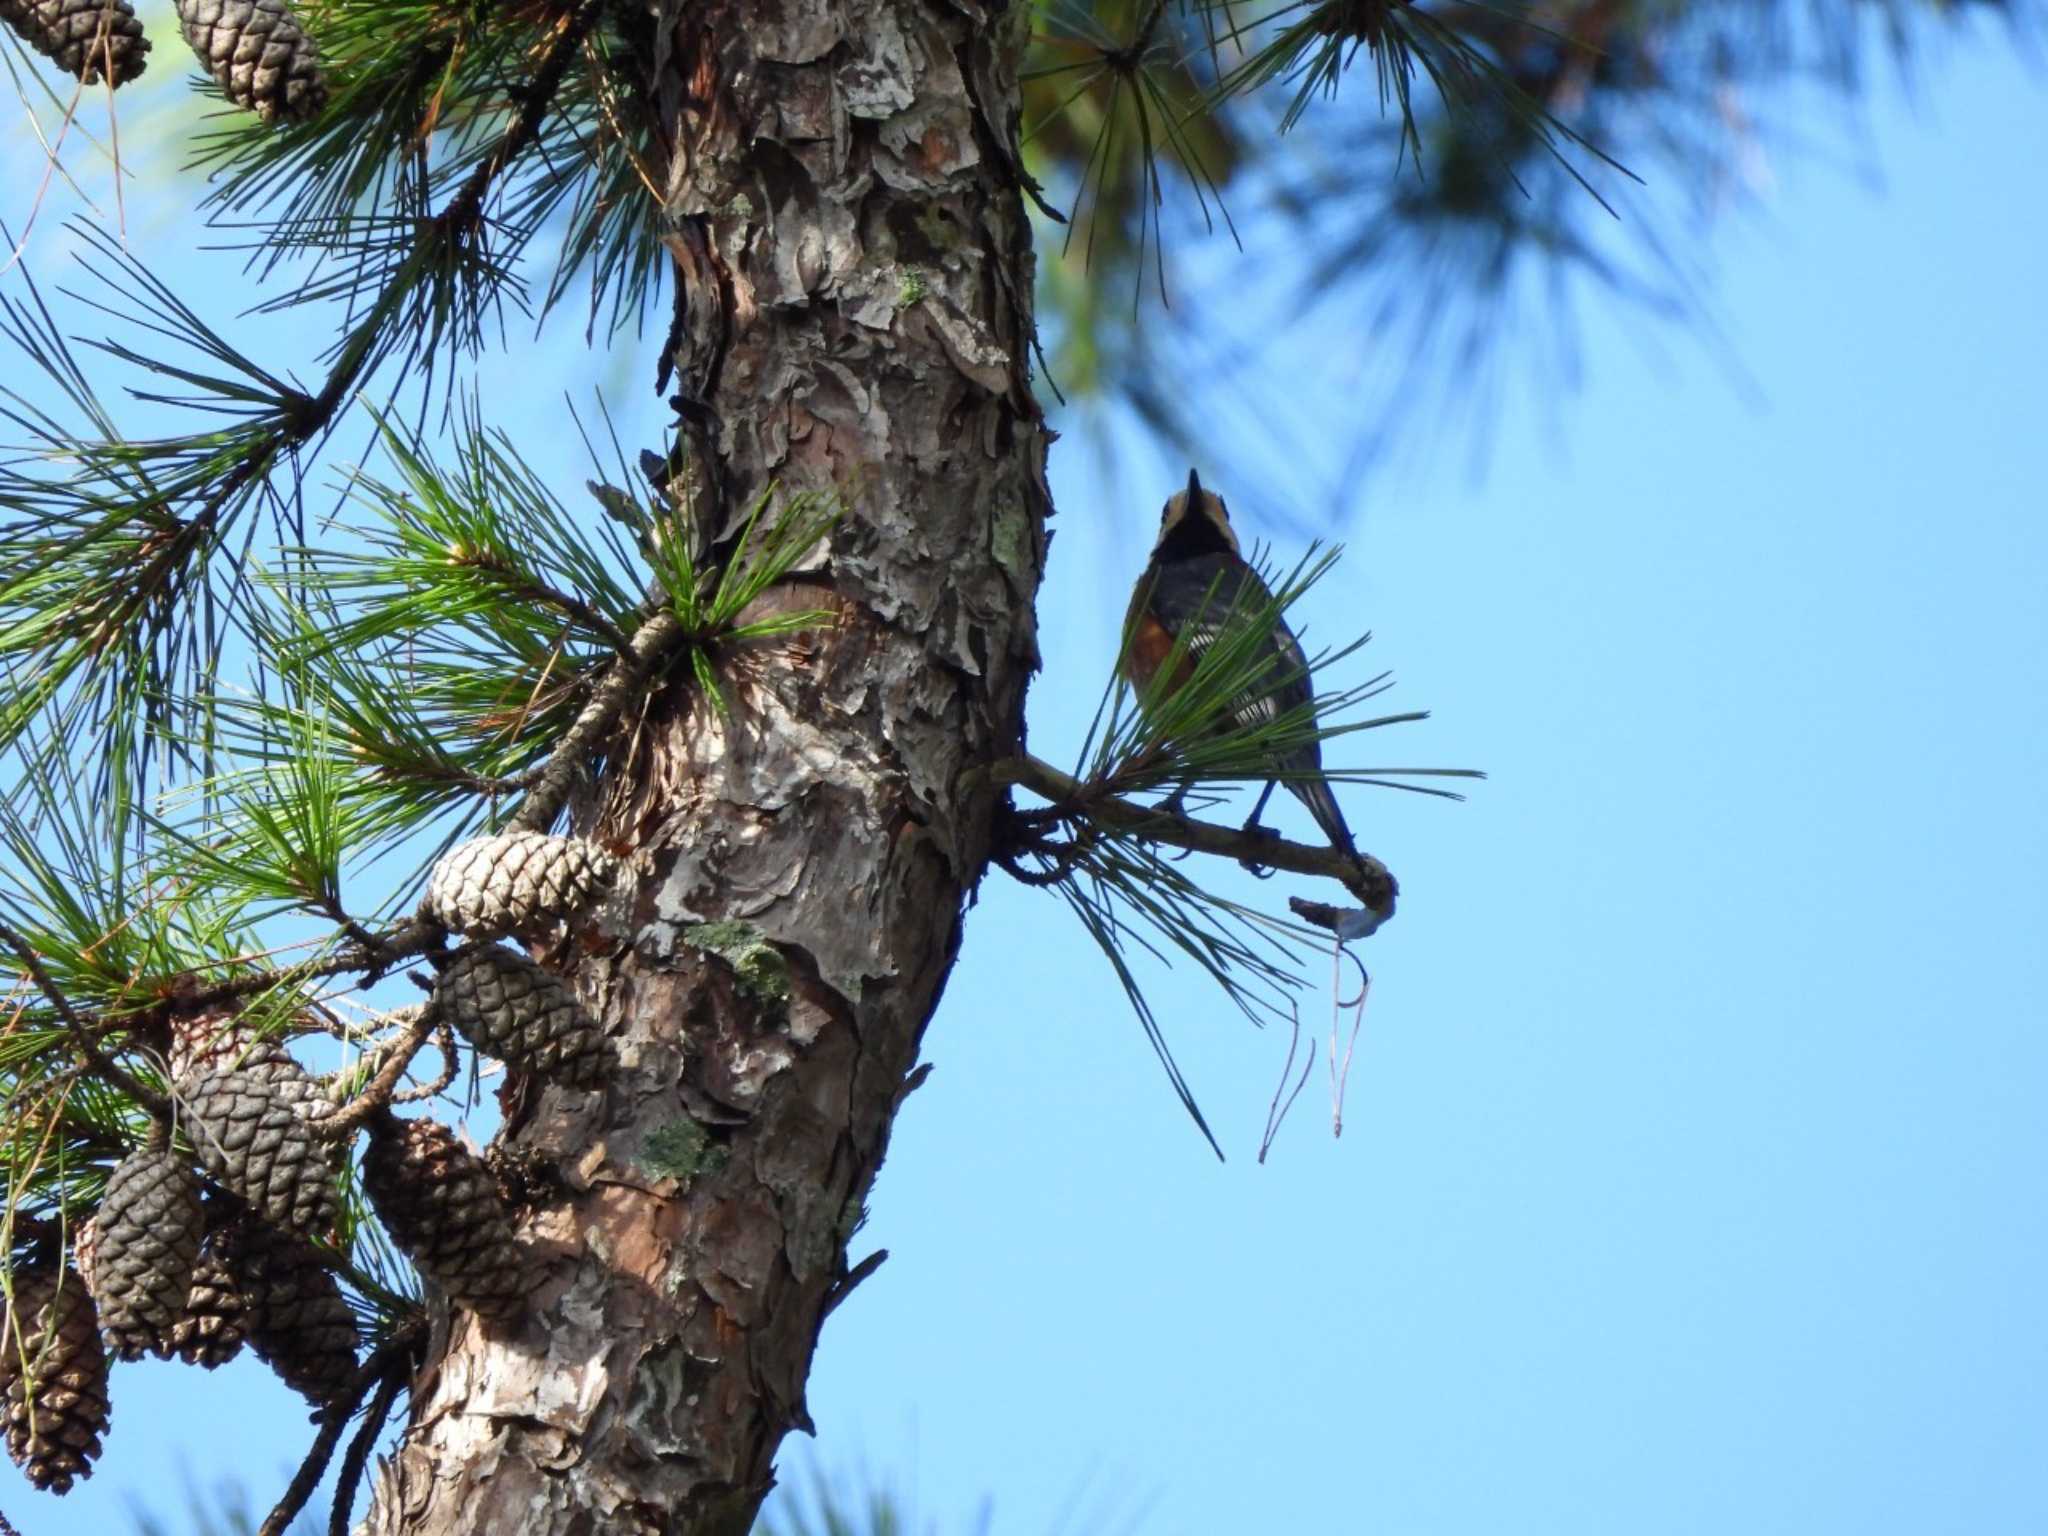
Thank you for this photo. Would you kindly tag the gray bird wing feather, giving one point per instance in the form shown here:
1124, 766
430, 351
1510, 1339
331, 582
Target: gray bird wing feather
1214, 593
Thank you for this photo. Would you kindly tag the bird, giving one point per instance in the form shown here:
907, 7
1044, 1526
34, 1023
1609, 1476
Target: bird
1194, 588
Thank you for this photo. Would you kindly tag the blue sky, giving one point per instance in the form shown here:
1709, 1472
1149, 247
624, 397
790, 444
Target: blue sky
1690, 1178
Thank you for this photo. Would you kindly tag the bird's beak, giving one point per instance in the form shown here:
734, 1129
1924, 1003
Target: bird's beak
1194, 489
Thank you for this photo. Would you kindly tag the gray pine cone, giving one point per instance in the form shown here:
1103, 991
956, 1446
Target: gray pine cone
83, 36
258, 1145
209, 1331
208, 1044
295, 1316
259, 54
55, 1376
508, 1007
146, 1240
523, 883
442, 1207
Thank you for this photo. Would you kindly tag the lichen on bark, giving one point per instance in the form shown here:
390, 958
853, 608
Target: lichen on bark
762, 972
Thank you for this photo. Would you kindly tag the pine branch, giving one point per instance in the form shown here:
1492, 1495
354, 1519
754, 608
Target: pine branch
1072, 800
463, 214
652, 644
398, 942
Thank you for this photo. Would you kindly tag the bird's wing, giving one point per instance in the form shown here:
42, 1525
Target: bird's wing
1215, 603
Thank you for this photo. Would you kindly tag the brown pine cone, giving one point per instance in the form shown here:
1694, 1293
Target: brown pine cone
259, 1146
55, 1376
442, 1207
523, 883
294, 1314
209, 1331
259, 54
83, 36
146, 1240
85, 1249
508, 1007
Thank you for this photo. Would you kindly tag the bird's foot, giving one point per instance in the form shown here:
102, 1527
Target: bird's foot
1175, 805
1257, 828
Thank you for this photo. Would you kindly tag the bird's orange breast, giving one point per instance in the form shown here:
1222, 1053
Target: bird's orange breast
1148, 643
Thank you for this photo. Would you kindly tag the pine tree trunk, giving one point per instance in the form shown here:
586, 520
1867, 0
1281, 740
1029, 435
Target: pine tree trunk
855, 258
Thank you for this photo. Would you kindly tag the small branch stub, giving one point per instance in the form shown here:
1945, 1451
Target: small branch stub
1346, 923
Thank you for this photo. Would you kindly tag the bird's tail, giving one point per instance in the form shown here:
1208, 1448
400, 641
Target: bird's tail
1314, 792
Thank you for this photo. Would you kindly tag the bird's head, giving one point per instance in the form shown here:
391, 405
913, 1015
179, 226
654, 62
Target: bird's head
1195, 521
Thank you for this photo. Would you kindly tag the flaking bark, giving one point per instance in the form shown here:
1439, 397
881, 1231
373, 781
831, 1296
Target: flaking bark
856, 270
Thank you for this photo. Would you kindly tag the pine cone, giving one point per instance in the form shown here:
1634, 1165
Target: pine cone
55, 1375
508, 1007
524, 883
83, 36
260, 1146
146, 1240
294, 1314
259, 53
209, 1331
85, 1249
442, 1207
208, 1044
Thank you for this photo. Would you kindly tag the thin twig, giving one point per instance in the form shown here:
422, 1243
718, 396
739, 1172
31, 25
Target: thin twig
332, 1421
358, 935
1142, 43
451, 1064
359, 1448
81, 1037
465, 209
384, 1363
843, 1288
304, 417
1365, 877
518, 584
404, 938
376, 1094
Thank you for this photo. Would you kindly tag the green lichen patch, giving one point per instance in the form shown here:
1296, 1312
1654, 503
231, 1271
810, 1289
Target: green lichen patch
913, 288
763, 973
680, 1150
938, 228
